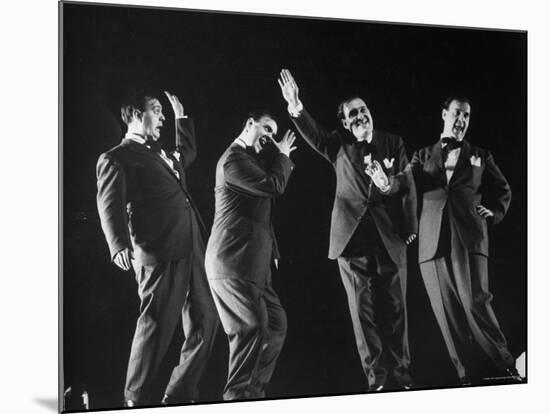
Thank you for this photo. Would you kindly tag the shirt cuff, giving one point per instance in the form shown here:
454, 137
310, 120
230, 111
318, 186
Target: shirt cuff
181, 117
295, 111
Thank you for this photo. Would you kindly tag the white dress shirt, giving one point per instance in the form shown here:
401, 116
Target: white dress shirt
450, 162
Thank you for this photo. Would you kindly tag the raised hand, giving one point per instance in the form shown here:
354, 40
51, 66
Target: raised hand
375, 171
484, 212
285, 146
177, 107
289, 88
123, 259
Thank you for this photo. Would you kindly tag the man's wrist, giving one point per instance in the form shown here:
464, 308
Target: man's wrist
295, 110
384, 187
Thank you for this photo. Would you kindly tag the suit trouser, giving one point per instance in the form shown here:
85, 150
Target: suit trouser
170, 291
458, 287
376, 292
255, 324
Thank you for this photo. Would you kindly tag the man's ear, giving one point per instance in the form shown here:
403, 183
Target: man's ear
345, 124
249, 122
137, 114
443, 114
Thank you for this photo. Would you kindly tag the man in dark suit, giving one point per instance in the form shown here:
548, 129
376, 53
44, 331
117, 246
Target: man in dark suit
462, 189
152, 225
241, 252
371, 225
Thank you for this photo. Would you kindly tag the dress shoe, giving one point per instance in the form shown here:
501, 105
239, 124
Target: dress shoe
76, 398
376, 387
169, 400
465, 381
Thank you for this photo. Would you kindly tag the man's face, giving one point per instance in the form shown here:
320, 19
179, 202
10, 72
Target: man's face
456, 119
263, 130
357, 119
153, 119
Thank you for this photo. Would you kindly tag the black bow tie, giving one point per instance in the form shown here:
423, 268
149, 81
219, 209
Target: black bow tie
366, 148
451, 143
154, 145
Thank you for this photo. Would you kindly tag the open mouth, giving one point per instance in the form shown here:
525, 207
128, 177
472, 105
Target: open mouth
361, 123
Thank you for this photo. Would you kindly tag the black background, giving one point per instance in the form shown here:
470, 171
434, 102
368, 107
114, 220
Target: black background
223, 65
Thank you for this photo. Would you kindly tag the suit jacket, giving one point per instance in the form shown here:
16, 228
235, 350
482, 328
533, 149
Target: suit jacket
242, 242
394, 214
476, 180
141, 202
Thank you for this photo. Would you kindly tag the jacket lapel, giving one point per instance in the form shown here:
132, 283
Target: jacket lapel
177, 166
362, 180
436, 165
437, 157
143, 150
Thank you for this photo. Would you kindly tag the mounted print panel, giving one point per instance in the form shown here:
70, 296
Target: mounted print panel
263, 207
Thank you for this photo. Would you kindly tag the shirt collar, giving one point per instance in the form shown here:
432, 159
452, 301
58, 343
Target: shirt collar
368, 140
135, 137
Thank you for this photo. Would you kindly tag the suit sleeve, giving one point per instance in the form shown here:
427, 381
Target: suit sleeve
416, 167
416, 170
111, 204
321, 140
186, 145
408, 191
496, 195
243, 174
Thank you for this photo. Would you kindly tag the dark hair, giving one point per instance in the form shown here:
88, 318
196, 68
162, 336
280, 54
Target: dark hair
132, 103
340, 110
452, 98
256, 115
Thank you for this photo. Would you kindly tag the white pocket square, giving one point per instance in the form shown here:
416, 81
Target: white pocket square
388, 163
475, 161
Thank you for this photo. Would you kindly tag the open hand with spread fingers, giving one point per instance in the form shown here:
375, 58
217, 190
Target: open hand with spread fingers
177, 106
285, 146
375, 171
289, 88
